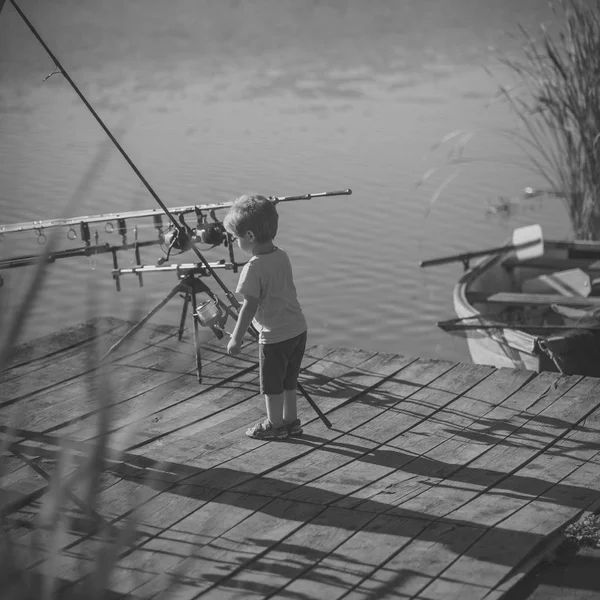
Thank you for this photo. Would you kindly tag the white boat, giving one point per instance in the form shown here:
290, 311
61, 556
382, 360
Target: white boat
539, 312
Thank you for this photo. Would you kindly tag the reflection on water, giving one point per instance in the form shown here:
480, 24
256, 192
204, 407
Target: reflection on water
215, 98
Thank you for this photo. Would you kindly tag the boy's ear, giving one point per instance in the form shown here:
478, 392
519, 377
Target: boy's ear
250, 235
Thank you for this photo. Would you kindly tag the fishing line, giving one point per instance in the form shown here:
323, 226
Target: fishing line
181, 230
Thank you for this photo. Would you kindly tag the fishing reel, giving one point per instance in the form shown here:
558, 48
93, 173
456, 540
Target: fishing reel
209, 314
181, 239
213, 234
176, 239
209, 232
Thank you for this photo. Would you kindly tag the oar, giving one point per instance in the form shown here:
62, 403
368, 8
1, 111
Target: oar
527, 242
446, 326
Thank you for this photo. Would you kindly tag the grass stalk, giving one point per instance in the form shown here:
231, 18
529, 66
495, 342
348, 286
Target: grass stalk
555, 97
31, 560
558, 105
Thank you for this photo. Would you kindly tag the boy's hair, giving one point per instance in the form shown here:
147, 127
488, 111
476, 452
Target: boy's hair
255, 213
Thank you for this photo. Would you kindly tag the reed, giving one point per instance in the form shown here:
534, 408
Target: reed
65, 524
555, 97
557, 105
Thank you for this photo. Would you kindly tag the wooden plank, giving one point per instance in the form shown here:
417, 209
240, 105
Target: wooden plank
150, 387
48, 409
176, 430
58, 372
169, 358
314, 463
375, 406
546, 550
391, 481
222, 408
506, 496
582, 441
224, 434
90, 431
173, 432
260, 458
523, 526
147, 406
149, 338
114, 501
51, 345
413, 566
68, 412
469, 447
409, 413
292, 557
209, 436
437, 456
217, 448
520, 299
356, 559
153, 519
496, 553
222, 549
173, 550
498, 458
229, 472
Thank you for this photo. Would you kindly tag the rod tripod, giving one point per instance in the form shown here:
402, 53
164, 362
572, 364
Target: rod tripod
189, 286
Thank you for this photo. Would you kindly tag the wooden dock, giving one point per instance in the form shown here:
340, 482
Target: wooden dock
438, 480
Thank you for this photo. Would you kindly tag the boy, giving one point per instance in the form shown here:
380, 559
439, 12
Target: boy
270, 302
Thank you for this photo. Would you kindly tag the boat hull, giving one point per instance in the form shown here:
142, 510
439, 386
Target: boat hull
507, 347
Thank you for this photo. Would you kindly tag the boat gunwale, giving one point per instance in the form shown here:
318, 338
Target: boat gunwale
513, 337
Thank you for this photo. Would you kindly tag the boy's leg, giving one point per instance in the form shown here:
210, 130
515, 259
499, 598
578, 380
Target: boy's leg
277, 361
271, 371
290, 406
275, 408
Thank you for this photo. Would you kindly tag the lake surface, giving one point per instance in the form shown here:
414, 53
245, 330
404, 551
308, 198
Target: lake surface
214, 98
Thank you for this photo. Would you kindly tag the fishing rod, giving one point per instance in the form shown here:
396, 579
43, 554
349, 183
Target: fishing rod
277, 199
184, 240
149, 212
183, 235
206, 232
182, 232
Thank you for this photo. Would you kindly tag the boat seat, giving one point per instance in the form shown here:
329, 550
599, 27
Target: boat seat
522, 299
555, 264
572, 282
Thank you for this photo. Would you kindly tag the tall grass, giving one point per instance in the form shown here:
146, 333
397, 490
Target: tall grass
34, 546
65, 525
557, 104
555, 97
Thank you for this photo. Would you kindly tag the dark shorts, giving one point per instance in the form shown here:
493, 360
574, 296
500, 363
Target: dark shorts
280, 364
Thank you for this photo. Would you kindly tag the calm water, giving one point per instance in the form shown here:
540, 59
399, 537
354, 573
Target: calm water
213, 98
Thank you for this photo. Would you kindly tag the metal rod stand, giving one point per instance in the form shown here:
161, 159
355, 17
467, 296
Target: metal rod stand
189, 286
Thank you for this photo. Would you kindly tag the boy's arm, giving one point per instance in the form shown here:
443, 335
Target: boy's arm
245, 316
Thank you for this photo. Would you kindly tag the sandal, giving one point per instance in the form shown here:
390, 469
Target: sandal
266, 431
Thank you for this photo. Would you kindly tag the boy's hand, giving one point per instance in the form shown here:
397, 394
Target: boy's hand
245, 316
234, 346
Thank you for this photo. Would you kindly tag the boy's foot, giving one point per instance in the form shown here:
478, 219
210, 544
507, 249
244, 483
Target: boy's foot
266, 431
294, 428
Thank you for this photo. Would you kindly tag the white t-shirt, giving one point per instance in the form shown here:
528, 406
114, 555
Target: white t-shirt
268, 277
